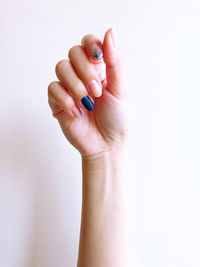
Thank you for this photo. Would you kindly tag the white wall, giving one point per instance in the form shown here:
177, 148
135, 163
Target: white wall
40, 173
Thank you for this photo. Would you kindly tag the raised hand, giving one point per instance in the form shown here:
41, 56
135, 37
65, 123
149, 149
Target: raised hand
89, 98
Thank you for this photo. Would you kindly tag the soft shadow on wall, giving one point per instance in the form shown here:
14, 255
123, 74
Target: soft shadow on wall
38, 225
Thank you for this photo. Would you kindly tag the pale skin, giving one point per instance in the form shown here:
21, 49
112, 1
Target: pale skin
100, 136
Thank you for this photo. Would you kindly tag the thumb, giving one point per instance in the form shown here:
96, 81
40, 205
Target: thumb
113, 62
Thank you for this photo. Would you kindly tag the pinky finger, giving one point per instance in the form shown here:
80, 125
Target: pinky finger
61, 101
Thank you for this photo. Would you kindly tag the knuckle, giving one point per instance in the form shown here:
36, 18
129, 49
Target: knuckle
51, 87
72, 50
84, 39
68, 102
89, 38
60, 65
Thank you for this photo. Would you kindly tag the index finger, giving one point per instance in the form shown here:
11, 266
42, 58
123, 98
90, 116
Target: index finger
93, 47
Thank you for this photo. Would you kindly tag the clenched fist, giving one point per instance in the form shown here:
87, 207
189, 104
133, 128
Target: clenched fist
89, 99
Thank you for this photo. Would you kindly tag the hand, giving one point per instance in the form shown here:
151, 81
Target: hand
92, 115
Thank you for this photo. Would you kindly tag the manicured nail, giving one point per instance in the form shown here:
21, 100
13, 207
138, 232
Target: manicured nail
76, 112
87, 102
114, 38
96, 51
95, 88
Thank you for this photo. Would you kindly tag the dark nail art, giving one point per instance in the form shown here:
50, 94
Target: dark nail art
96, 51
97, 54
87, 102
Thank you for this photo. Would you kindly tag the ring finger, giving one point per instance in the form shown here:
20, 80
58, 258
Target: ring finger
66, 74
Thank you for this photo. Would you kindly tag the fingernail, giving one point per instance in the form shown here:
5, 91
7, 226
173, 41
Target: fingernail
76, 112
114, 38
96, 51
95, 88
87, 102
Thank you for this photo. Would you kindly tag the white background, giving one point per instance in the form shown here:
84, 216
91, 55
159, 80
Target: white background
40, 172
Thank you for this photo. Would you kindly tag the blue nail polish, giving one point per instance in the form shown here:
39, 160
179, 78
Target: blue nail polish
95, 51
96, 54
87, 102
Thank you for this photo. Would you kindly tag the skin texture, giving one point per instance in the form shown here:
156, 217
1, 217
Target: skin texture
100, 136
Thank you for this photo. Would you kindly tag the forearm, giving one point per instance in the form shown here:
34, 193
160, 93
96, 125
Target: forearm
102, 226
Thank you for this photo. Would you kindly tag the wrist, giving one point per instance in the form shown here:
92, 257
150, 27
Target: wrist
105, 163
105, 155
103, 177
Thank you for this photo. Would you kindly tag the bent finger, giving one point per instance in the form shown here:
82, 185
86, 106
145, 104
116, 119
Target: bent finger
60, 100
94, 50
67, 75
93, 47
85, 70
